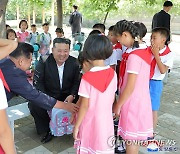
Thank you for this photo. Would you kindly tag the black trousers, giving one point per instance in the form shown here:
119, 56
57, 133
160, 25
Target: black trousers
41, 118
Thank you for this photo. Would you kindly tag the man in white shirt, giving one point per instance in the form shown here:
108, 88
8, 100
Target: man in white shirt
58, 76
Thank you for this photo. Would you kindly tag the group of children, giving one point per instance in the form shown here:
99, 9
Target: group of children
43, 40
139, 85
119, 64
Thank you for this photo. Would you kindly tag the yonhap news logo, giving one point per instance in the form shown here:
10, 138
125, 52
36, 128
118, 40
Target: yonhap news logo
161, 145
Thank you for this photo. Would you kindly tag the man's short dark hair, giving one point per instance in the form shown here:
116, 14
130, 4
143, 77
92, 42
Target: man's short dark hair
33, 25
23, 49
168, 3
75, 7
61, 40
162, 30
100, 26
45, 24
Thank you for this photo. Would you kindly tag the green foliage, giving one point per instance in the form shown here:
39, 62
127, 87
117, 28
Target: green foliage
96, 9
67, 6
175, 11
93, 10
25, 6
150, 2
143, 9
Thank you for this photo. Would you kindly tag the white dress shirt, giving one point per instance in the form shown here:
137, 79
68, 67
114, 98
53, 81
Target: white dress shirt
60, 71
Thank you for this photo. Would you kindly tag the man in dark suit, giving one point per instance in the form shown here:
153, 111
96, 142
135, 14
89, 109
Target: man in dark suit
14, 72
75, 20
162, 18
57, 75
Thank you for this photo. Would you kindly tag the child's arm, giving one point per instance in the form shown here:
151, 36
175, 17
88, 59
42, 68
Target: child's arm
82, 112
6, 47
6, 137
131, 80
73, 116
162, 68
79, 101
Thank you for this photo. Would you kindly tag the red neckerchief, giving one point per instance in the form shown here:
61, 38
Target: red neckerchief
145, 54
99, 79
4, 81
153, 62
117, 46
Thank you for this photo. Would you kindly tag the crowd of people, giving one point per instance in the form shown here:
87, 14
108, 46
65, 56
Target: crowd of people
112, 89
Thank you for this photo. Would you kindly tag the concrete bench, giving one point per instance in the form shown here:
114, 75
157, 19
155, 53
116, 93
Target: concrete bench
17, 112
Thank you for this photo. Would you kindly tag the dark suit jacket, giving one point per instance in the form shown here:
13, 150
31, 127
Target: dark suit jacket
46, 78
75, 19
18, 84
161, 19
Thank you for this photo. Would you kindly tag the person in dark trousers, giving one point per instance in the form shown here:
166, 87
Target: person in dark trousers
57, 75
75, 21
14, 69
162, 18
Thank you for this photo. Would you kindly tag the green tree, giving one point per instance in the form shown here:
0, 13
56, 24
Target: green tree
3, 4
59, 13
98, 9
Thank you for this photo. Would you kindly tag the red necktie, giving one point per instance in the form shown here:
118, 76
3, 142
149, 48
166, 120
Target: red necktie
144, 54
4, 81
122, 67
117, 46
153, 63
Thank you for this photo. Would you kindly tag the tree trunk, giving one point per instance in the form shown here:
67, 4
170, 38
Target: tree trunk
34, 17
43, 16
3, 4
59, 13
17, 7
52, 13
105, 17
29, 19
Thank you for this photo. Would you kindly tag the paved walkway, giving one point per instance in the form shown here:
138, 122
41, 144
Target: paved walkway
28, 142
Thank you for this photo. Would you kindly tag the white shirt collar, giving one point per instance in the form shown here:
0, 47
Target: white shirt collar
141, 46
60, 65
22, 32
162, 50
99, 68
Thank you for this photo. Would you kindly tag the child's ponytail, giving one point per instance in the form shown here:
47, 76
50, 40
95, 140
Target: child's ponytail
136, 42
125, 25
